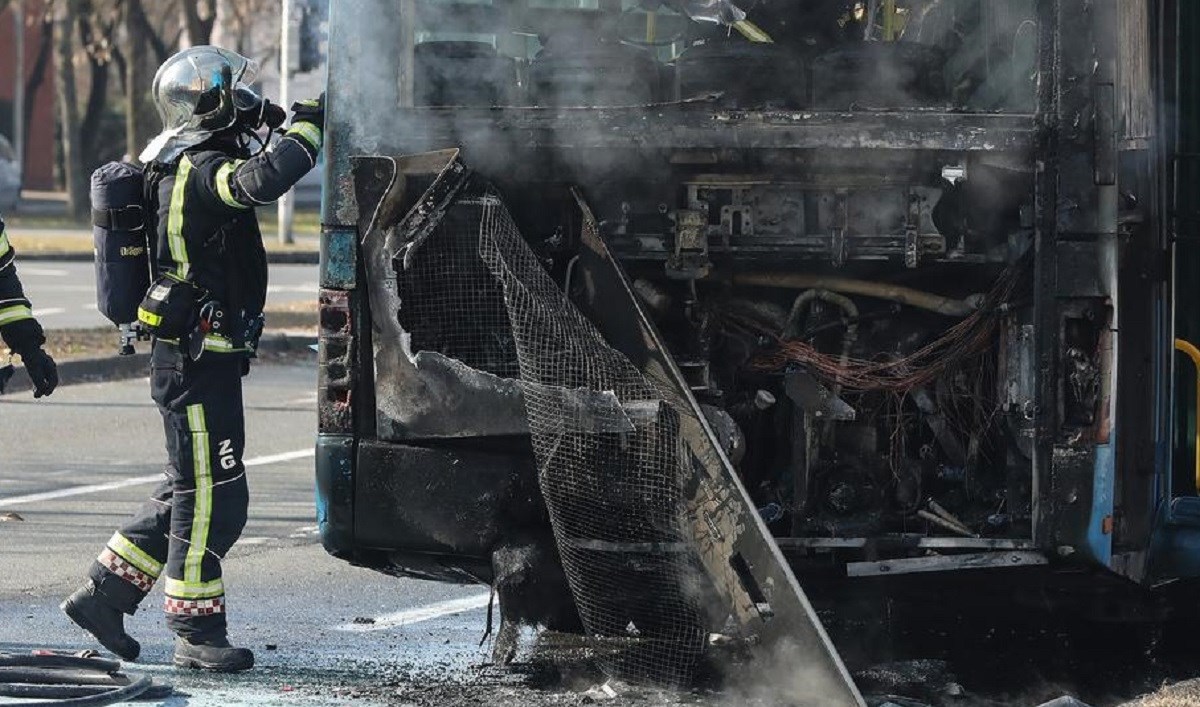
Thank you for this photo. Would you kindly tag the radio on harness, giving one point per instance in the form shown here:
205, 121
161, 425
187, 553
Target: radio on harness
121, 235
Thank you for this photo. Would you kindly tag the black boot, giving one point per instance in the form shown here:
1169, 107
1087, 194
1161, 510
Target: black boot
216, 655
99, 618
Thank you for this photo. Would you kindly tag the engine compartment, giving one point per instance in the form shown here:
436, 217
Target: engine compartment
856, 320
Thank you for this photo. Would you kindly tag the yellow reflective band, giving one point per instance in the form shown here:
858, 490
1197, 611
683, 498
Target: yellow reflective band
15, 313
149, 318
194, 590
308, 131
753, 32
224, 175
202, 511
134, 555
175, 219
5, 246
216, 342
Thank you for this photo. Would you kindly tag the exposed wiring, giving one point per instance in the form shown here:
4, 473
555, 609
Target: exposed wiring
965, 340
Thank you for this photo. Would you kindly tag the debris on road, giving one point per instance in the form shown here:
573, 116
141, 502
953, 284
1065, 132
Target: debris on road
1180, 694
927, 679
1064, 701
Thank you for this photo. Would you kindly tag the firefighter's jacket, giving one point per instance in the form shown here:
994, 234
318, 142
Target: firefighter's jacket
207, 230
17, 326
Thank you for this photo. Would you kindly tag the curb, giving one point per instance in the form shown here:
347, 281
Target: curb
297, 258
113, 368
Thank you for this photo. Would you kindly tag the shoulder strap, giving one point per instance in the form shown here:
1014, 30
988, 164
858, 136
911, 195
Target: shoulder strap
155, 173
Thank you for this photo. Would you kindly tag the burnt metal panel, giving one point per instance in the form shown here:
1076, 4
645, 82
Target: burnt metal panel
421, 394
735, 547
698, 125
1080, 272
1136, 89
442, 500
1075, 273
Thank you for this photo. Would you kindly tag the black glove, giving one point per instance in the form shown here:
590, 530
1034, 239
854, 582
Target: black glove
273, 116
41, 369
310, 111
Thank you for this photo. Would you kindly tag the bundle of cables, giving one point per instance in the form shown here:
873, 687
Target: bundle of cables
53, 678
965, 340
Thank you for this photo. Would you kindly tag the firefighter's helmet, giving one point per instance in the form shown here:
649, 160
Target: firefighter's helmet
197, 93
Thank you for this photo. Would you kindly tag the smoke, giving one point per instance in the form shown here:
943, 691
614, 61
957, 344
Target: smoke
962, 54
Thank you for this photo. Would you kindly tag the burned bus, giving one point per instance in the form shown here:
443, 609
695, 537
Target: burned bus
640, 310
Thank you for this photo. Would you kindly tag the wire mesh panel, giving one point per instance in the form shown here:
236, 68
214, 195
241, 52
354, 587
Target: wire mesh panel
450, 302
609, 459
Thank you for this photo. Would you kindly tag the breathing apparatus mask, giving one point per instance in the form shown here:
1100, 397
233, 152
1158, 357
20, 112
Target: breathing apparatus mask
254, 112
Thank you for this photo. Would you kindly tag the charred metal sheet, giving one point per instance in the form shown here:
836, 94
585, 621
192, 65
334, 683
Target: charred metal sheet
907, 541
420, 394
945, 563
437, 500
701, 126
735, 548
814, 398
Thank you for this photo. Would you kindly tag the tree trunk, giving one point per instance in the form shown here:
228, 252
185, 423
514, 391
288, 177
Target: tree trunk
225, 31
97, 99
141, 123
38, 74
138, 25
198, 16
74, 180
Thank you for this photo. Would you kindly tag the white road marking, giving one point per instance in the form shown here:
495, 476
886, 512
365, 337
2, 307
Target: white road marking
138, 481
47, 312
310, 398
43, 272
420, 613
284, 457
304, 289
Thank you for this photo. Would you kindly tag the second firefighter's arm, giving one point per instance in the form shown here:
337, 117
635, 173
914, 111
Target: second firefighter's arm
20, 331
18, 328
262, 179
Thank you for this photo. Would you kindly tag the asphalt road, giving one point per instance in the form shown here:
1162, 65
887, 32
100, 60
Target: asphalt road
74, 465
64, 293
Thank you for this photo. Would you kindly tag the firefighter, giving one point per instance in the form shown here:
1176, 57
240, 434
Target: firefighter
20, 331
205, 181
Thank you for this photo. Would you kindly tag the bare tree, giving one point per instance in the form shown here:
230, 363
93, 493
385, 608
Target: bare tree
237, 21
198, 19
139, 111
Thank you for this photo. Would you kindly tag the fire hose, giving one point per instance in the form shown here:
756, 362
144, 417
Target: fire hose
53, 678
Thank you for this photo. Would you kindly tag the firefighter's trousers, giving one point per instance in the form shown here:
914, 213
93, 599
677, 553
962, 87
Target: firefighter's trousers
197, 512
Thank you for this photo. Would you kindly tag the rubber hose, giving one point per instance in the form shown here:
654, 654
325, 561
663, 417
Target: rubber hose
946, 306
52, 692
120, 694
56, 676
55, 660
